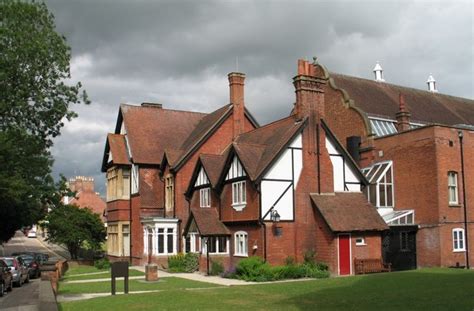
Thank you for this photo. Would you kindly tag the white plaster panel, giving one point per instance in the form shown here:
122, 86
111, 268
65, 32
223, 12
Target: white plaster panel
330, 147
271, 191
297, 142
281, 169
338, 166
298, 165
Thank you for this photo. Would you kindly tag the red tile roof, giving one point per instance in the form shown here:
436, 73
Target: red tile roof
91, 200
150, 130
213, 165
348, 211
382, 99
118, 148
207, 222
258, 148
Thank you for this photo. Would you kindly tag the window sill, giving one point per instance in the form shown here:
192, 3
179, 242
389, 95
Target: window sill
241, 255
454, 205
239, 207
217, 254
364, 244
459, 251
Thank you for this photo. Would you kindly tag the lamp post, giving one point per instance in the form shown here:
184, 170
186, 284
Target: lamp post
466, 229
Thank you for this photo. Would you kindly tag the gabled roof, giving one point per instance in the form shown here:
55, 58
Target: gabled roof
207, 221
116, 145
344, 153
150, 130
382, 99
212, 164
257, 149
348, 211
90, 200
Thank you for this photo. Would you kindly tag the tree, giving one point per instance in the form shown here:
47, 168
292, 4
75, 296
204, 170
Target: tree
73, 226
34, 102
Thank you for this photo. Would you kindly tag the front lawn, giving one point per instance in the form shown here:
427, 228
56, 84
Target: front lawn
169, 283
98, 275
426, 289
83, 269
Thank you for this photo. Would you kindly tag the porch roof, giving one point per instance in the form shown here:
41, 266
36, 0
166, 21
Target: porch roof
207, 222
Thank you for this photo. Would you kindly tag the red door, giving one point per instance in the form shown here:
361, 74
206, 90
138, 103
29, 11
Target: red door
344, 254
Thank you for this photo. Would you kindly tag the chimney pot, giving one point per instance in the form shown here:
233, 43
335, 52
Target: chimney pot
378, 71
431, 84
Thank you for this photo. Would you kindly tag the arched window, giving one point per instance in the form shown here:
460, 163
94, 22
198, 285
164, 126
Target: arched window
241, 243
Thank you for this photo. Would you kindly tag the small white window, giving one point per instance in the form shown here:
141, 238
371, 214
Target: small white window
360, 241
453, 187
205, 197
216, 244
458, 240
241, 244
239, 195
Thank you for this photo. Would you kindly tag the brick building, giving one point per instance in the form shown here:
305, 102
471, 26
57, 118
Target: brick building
408, 143
220, 185
85, 195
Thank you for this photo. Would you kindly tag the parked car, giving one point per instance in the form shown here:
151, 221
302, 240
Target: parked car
33, 265
19, 269
31, 234
40, 258
6, 278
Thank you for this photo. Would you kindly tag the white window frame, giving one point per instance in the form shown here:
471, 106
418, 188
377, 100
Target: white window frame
169, 192
204, 246
453, 184
241, 244
239, 195
205, 197
360, 241
155, 228
193, 237
459, 241
135, 179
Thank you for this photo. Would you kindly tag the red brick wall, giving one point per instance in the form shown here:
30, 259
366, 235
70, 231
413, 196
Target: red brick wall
136, 229
250, 211
118, 210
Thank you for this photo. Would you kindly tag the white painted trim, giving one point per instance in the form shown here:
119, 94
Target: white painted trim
350, 253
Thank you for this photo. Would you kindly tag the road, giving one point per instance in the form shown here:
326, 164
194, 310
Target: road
26, 298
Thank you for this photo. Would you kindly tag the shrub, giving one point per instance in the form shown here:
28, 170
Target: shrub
176, 263
103, 263
322, 266
254, 269
290, 260
191, 262
216, 268
309, 256
230, 274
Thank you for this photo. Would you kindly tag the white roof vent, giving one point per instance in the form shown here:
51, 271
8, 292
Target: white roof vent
378, 73
431, 84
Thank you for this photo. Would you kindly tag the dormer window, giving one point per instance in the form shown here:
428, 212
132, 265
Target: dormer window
205, 197
239, 195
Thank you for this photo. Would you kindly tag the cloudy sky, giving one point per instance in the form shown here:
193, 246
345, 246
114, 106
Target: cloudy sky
178, 53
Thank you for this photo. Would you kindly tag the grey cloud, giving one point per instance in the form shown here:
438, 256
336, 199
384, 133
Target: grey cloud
179, 53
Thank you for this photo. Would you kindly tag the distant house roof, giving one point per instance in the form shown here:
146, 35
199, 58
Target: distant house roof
207, 222
382, 99
90, 200
348, 211
150, 130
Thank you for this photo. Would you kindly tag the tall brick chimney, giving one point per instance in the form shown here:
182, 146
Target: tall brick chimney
403, 115
309, 88
81, 183
236, 85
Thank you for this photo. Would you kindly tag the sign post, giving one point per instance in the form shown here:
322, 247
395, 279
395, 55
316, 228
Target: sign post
120, 269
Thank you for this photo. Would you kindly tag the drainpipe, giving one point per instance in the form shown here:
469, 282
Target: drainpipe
130, 204
318, 152
466, 229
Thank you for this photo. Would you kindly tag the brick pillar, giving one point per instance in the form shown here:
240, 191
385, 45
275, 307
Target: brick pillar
403, 115
236, 85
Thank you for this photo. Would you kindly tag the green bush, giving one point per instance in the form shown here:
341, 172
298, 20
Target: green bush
257, 270
309, 256
254, 269
216, 268
103, 263
176, 263
290, 260
191, 262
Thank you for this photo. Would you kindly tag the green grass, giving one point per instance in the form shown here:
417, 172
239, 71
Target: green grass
83, 269
106, 274
426, 289
170, 283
